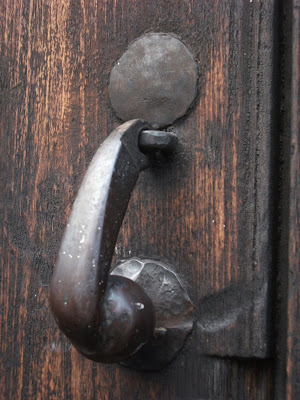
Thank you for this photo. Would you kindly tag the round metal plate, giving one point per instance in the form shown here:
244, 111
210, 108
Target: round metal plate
173, 312
155, 80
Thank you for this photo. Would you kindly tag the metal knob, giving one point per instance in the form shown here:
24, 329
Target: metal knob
106, 317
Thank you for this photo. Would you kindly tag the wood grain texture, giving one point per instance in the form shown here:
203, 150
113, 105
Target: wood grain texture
208, 215
288, 332
293, 311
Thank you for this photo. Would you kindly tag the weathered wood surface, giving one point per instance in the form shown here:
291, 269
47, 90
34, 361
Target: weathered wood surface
287, 375
293, 311
208, 215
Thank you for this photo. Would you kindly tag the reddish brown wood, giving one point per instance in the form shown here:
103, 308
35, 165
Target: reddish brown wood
208, 216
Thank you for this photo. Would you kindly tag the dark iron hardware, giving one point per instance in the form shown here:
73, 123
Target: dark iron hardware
101, 314
159, 74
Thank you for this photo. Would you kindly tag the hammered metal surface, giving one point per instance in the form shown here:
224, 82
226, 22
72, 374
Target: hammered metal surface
173, 312
155, 80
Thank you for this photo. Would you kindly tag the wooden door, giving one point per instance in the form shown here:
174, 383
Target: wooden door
212, 215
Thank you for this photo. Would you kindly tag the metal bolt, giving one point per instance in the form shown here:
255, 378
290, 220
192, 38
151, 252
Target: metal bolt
157, 140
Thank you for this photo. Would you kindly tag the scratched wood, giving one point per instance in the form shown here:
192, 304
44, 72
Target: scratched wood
208, 215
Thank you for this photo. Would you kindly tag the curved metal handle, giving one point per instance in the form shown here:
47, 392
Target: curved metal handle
107, 320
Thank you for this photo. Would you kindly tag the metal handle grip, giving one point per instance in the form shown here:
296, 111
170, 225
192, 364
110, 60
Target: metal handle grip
101, 314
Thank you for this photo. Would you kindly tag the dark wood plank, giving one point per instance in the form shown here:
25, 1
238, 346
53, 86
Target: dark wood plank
293, 311
208, 215
288, 329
